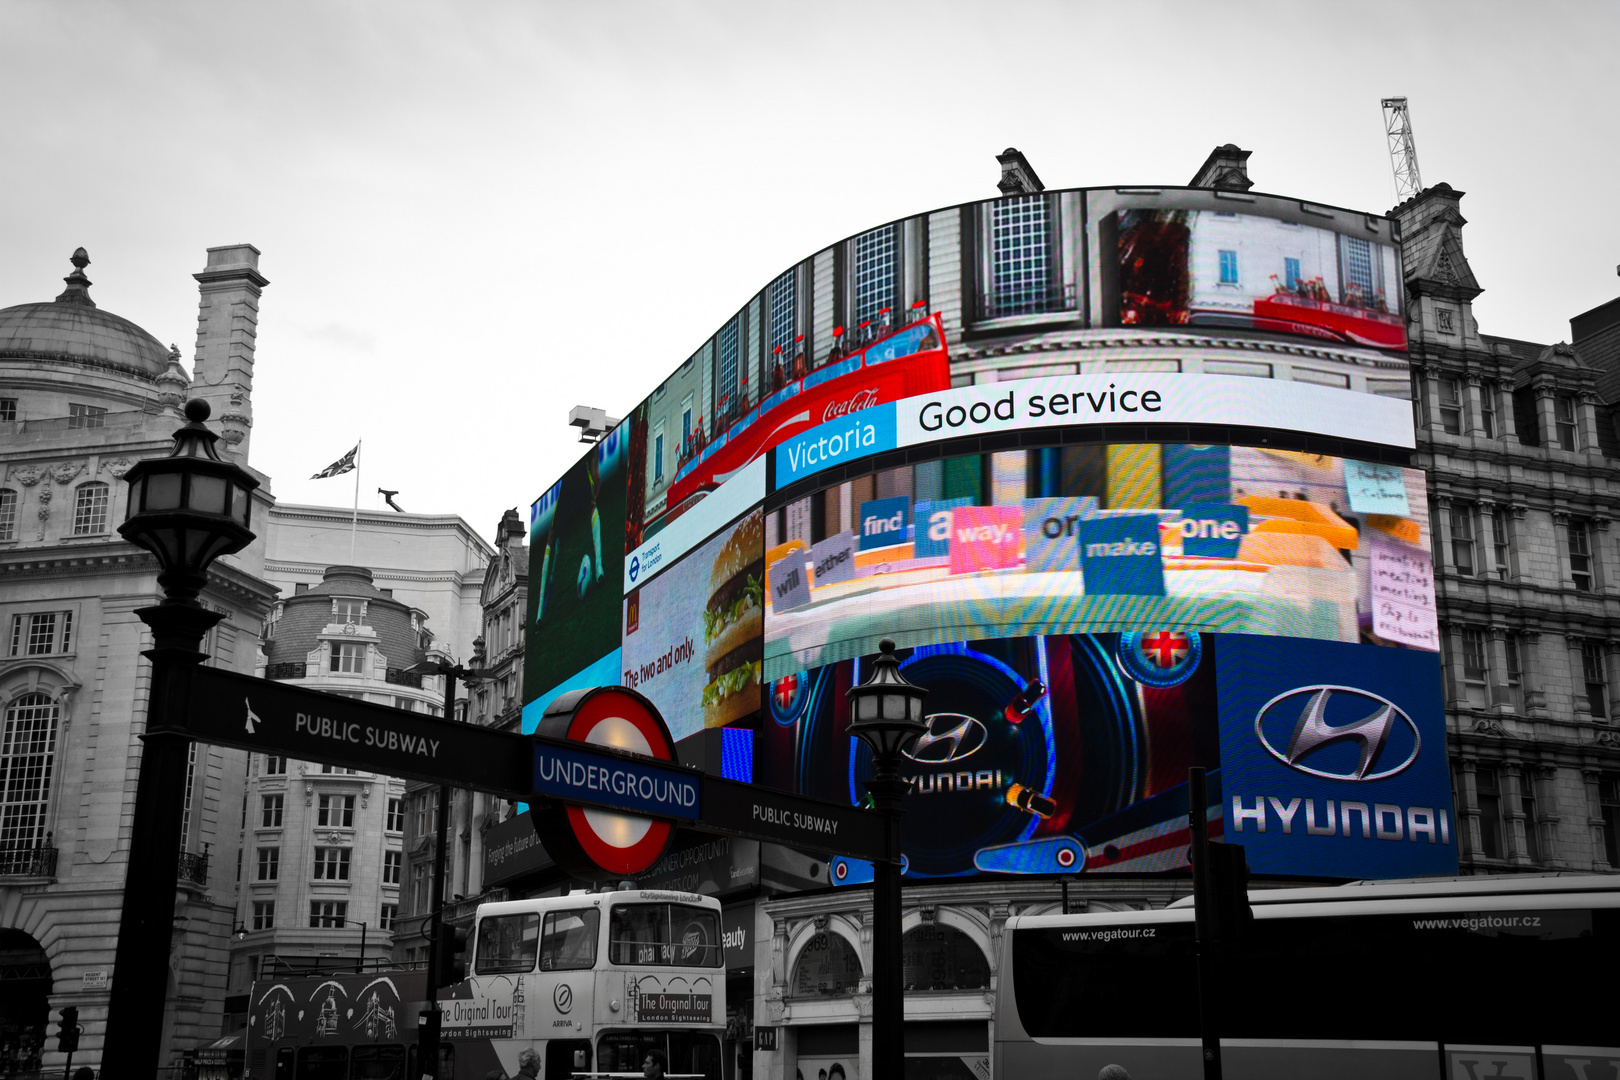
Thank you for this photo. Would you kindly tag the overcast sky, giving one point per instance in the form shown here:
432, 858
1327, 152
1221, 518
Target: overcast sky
475, 215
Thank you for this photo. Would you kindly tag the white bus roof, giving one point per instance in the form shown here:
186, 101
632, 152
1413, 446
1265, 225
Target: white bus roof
580, 898
1424, 888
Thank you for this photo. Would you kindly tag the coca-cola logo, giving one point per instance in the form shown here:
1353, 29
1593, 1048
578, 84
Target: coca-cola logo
862, 399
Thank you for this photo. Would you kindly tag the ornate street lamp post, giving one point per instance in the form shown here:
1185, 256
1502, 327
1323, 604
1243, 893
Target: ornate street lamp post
887, 714
187, 509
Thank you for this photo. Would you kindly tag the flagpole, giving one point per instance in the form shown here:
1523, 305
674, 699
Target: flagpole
354, 522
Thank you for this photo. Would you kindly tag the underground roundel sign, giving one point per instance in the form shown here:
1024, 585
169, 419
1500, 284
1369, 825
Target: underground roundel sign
608, 815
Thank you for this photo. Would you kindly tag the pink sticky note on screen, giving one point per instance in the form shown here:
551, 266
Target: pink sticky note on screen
985, 538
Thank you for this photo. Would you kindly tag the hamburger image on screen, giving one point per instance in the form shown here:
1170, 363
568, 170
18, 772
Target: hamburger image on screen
734, 624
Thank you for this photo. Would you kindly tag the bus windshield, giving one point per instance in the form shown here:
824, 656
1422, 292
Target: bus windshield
664, 934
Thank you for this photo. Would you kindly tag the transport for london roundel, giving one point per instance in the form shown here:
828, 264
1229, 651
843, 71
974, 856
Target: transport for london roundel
588, 842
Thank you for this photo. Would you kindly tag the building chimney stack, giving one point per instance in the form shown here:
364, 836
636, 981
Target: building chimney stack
1017, 175
1226, 168
227, 328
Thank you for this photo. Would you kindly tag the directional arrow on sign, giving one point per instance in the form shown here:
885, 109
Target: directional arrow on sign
230, 709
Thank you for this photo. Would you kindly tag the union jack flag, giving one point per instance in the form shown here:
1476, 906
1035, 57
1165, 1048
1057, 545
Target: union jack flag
340, 466
1164, 648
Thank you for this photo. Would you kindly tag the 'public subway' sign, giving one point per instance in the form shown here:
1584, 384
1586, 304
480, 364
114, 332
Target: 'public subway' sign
232, 709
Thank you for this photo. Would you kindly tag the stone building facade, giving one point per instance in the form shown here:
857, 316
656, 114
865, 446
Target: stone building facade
84, 394
1519, 440
323, 847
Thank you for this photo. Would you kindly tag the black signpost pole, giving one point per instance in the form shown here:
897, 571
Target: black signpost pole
1203, 908
428, 1036
887, 715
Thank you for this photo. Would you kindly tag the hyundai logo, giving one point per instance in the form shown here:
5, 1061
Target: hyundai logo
950, 737
1312, 732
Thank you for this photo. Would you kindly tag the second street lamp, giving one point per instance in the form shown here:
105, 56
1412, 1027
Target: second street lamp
887, 714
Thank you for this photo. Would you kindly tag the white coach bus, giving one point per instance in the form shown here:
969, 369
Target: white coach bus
1471, 977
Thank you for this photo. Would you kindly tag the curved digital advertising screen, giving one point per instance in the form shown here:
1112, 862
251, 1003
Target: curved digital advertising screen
1124, 473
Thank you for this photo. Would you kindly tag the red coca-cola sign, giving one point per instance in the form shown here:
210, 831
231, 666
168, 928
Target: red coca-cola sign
861, 399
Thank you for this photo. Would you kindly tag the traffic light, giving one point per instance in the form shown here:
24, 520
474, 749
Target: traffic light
67, 1036
452, 964
1229, 889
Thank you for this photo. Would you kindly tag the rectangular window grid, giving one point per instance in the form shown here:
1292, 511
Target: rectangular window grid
1462, 538
1580, 556
725, 395
782, 300
874, 273
1597, 690
264, 914
395, 821
1490, 813
393, 864
90, 509
328, 914
1358, 270
1565, 407
332, 863
1609, 811
274, 765
335, 812
270, 807
1499, 543
269, 864
1527, 803
387, 917
1019, 250
348, 657
8, 514
1229, 268
1451, 406
8, 409
86, 416
186, 804
658, 456
27, 758
348, 611
1487, 410
1474, 665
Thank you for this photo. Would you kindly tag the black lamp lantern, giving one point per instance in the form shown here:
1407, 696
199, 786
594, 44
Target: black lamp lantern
189, 508
886, 710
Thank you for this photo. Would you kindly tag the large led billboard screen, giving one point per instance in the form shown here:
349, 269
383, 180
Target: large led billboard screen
1111, 466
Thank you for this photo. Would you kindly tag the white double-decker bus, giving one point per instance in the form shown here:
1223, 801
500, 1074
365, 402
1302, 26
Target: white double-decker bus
1454, 978
591, 982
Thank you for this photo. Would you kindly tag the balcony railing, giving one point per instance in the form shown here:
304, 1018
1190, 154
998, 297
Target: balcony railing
293, 669
32, 860
194, 867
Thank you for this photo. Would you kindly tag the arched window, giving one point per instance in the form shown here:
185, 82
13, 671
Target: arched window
942, 958
27, 756
828, 967
90, 509
8, 514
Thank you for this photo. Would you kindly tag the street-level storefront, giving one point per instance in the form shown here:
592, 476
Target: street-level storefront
813, 1016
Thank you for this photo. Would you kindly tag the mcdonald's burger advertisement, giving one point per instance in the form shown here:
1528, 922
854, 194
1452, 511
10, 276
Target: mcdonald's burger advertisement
1146, 504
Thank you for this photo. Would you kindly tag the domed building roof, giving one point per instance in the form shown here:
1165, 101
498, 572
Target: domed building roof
72, 328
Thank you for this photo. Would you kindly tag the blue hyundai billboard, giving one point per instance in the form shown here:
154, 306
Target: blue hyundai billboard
1333, 759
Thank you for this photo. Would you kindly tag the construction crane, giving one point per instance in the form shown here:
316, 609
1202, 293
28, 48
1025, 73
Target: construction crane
1402, 150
